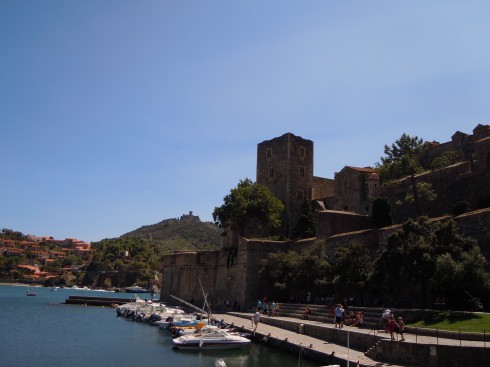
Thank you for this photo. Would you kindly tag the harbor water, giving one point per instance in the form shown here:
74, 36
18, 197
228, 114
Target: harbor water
41, 331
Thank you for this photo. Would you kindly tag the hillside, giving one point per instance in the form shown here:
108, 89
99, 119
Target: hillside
133, 258
185, 233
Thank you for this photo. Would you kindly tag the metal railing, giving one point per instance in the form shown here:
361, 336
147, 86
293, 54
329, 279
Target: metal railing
463, 337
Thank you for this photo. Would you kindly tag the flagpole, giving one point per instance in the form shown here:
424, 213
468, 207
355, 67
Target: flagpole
348, 347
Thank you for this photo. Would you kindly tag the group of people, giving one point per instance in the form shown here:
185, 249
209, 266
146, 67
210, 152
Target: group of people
267, 308
392, 325
341, 318
264, 307
388, 321
355, 319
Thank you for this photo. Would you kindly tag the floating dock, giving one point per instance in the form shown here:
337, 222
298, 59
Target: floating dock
97, 301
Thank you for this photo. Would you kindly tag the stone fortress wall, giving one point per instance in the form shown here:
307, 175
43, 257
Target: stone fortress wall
285, 165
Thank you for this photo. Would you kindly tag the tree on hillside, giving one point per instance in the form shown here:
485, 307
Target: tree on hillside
418, 194
401, 158
306, 225
446, 159
10, 263
352, 269
291, 273
9, 234
246, 203
430, 259
314, 271
278, 270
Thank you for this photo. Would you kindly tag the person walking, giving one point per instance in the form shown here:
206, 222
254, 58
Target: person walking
401, 328
385, 317
265, 308
256, 320
392, 325
273, 308
339, 316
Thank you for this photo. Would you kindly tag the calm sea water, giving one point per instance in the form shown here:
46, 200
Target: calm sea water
41, 331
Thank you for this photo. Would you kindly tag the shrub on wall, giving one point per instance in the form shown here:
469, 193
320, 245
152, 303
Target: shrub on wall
460, 207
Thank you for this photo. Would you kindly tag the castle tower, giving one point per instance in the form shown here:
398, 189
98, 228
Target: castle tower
285, 166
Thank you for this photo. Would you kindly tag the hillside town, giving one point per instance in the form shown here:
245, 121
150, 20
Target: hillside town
43, 257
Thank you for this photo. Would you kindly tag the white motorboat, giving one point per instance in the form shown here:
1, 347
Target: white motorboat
144, 310
30, 292
211, 337
179, 320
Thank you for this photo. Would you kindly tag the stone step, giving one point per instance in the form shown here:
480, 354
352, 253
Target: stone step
323, 313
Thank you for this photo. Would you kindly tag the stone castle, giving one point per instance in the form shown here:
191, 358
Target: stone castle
285, 166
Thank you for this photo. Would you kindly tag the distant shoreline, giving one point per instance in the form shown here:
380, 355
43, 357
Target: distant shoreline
20, 284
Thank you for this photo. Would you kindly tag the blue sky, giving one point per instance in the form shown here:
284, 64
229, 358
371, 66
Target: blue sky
117, 114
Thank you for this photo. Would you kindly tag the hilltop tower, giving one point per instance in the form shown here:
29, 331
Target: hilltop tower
285, 166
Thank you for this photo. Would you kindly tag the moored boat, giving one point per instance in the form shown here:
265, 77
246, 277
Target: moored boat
211, 337
30, 292
148, 311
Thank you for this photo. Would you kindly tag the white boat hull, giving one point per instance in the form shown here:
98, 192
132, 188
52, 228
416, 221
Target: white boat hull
211, 338
210, 345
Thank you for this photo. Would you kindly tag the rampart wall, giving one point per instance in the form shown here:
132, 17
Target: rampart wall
474, 224
238, 279
226, 274
322, 188
332, 222
452, 184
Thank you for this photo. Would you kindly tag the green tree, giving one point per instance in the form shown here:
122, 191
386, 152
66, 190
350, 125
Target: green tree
247, 202
11, 262
72, 259
422, 193
292, 273
401, 158
279, 269
9, 234
353, 267
431, 258
54, 266
446, 159
313, 269
306, 226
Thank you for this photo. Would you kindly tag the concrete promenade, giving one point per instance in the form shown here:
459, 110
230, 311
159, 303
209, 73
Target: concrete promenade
325, 344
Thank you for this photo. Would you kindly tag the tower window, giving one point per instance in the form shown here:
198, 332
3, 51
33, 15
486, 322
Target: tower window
301, 171
302, 152
300, 194
268, 152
